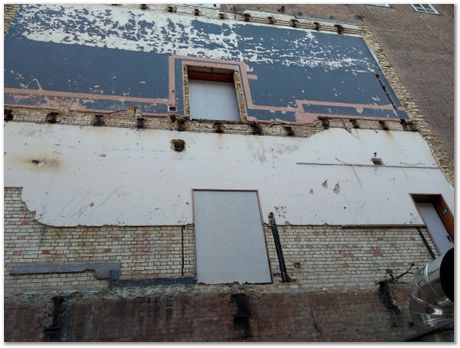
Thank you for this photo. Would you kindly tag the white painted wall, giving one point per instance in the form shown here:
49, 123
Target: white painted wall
118, 176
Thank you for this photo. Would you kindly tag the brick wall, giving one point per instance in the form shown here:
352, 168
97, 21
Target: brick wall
333, 295
335, 270
144, 252
332, 257
126, 119
208, 313
8, 15
317, 257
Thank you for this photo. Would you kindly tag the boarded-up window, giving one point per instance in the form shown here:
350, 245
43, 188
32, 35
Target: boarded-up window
230, 241
213, 100
435, 226
438, 219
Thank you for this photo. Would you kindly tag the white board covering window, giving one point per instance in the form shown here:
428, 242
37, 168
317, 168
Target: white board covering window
230, 242
213, 100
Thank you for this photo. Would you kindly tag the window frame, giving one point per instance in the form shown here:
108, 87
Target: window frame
212, 72
439, 204
422, 8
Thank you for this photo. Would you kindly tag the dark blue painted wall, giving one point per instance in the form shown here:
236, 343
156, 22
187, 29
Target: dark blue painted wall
96, 53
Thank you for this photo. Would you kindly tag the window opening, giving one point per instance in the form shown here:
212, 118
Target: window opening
438, 220
212, 94
425, 8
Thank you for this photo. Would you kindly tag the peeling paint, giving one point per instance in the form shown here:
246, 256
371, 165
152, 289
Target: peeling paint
104, 38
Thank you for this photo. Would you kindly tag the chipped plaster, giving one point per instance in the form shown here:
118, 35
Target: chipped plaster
169, 33
115, 176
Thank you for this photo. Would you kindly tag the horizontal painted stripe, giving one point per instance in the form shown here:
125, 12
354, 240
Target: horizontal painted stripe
42, 92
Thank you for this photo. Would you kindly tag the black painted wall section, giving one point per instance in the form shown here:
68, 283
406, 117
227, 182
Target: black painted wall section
86, 57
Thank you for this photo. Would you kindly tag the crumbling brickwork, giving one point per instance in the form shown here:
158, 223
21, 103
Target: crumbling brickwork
126, 119
8, 15
438, 148
317, 257
144, 252
334, 273
208, 313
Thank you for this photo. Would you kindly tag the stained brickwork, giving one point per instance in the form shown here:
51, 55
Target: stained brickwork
334, 271
317, 257
332, 257
208, 313
144, 252
126, 119
8, 15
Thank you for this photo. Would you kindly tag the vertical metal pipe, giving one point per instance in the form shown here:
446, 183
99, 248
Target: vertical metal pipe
279, 251
182, 250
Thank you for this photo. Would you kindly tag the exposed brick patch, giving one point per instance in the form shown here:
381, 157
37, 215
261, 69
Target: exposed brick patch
331, 257
317, 257
333, 273
438, 148
8, 15
125, 119
141, 250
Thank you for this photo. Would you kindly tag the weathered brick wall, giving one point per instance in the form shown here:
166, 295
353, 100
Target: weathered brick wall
317, 257
333, 295
208, 313
126, 119
9, 11
144, 252
331, 257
